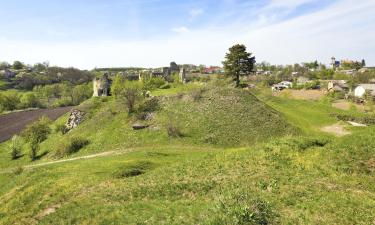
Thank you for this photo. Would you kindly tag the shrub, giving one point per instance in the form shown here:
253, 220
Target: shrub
18, 170
197, 94
165, 86
244, 209
150, 105
15, 147
71, 146
174, 131
153, 83
29, 100
35, 134
61, 128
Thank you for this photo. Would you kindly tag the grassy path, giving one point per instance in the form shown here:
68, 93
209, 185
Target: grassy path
9, 170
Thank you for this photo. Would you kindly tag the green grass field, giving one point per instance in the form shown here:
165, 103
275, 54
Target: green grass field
239, 161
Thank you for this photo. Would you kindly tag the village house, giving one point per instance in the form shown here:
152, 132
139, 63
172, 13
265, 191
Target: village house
362, 89
7, 74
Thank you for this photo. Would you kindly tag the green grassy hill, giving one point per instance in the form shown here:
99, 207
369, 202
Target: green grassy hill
238, 161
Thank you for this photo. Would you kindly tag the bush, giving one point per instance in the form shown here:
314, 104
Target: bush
153, 83
35, 134
62, 102
15, 147
174, 131
29, 100
61, 128
71, 146
150, 105
197, 94
244, 209
18, 170
165, 86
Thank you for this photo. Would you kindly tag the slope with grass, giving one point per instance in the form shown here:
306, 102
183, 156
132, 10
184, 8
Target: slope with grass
204, 176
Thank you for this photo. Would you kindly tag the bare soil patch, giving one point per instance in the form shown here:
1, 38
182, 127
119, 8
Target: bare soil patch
14, 123
346, 105
336, 129
302, 94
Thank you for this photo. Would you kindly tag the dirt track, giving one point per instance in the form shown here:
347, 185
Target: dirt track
14, 123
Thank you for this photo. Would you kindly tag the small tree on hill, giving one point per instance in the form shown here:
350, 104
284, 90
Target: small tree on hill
238, 62
35, 134
15, 146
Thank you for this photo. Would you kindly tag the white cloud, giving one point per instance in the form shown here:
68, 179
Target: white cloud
344, 29
180, 29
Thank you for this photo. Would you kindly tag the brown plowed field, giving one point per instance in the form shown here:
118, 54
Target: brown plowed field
14, 123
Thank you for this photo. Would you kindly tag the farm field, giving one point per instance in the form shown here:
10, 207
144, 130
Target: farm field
14, 123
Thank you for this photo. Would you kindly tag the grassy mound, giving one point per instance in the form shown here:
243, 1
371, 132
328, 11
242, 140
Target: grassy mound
226, 117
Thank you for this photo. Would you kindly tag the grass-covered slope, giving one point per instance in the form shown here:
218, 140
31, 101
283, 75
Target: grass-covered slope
225, 117
287, 181
151, 178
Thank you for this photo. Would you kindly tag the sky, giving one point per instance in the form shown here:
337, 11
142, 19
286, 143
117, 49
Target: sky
151, 33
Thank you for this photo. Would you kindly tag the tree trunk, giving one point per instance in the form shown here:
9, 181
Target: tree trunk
237, 80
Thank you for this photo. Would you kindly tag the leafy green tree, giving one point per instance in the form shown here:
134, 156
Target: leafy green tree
29, 100
35, 134
129, 91
17, 65
117, 86
238, 62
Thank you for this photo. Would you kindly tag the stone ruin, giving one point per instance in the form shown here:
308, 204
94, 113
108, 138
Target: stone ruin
182, 75
75, 118
101, 86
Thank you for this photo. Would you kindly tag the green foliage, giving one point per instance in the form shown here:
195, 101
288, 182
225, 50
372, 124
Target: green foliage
35, 134
9, 101
150, 105
131, 92
61, 128
238, 62
29, 100
71, 146
17, 65
15, 147
242, 209
165, 86
173, 130
153, 83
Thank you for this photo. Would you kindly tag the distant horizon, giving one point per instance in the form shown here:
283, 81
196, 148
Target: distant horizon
152, 33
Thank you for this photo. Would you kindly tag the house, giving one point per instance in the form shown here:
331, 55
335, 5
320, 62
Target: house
8, 74
302, 80
348, 72
361, 90
338, 86
213, 69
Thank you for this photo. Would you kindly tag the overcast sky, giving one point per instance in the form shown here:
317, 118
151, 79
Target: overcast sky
151, 33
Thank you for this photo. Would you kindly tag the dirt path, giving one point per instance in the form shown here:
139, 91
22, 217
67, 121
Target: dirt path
14, 123
336, 129
10, 170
